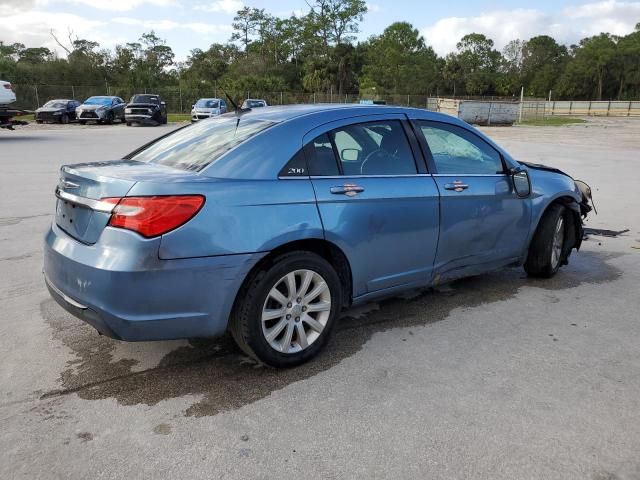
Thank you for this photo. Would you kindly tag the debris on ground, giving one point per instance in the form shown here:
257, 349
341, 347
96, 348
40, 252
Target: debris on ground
603, 232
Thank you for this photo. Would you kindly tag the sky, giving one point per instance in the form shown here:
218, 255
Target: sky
188, 24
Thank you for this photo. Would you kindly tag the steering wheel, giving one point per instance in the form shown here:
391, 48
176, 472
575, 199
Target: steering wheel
377, 151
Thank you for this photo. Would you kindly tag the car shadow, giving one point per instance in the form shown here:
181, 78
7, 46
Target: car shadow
224, 379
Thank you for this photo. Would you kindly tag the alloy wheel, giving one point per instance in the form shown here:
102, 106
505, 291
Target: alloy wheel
558, 242
296, 311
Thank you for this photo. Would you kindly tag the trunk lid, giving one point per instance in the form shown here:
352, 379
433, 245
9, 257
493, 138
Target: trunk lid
79, 211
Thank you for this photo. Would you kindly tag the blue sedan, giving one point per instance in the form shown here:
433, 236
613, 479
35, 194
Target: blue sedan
269, 222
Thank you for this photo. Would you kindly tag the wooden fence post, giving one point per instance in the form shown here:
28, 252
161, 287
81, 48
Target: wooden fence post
629, 109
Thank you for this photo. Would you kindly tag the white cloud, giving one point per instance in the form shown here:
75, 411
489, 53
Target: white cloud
373, 7
123, 5
567, 26
32, 28
166, 25
230, 7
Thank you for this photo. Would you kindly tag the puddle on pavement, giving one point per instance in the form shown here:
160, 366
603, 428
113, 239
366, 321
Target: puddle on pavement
216, 370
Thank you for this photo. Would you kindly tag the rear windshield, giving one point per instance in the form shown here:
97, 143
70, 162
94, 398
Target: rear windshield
198, 145
204, 103
254, 103
145, 99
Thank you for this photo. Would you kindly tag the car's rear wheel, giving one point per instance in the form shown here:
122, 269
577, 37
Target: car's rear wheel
128, 124
109, 120
83, 122
64, 119
286, 312
547, 250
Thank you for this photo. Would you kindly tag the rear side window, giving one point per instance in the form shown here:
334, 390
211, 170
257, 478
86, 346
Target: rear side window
199, 145
373, 148
322, 161
457, 151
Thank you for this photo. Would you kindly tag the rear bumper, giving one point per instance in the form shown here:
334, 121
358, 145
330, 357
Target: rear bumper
126, 292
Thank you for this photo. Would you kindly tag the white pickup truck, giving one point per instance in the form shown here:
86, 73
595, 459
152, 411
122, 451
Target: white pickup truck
7, 97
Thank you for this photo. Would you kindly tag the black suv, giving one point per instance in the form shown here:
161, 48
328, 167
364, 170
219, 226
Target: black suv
146, 108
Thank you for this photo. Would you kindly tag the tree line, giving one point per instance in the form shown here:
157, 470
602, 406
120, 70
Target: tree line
318, 52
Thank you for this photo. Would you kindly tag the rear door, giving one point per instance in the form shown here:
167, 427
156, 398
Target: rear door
483, 223
376, 201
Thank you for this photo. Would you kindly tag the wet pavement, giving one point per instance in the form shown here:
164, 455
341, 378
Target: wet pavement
496, 376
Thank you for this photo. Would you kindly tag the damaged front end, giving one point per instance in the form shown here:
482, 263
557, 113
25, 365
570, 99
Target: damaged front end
575, 232
580, 211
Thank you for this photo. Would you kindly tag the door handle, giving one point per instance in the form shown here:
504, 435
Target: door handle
457, 186
348, 189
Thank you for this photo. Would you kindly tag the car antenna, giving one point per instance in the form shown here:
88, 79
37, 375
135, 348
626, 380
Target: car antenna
237, 109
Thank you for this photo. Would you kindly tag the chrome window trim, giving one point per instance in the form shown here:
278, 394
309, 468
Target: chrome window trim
336, 177
97, 205
469, 174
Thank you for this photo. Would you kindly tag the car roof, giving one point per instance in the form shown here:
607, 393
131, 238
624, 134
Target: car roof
209, 98
283, 113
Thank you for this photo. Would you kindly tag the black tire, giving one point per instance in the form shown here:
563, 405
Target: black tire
83, 122
64, 119
128, 124
38, 121
109, 119
245, 323
539, 261
164, 120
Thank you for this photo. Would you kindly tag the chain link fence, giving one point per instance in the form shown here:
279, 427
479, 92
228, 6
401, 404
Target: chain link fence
180, 99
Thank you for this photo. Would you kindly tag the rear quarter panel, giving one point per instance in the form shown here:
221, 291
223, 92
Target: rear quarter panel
240, 216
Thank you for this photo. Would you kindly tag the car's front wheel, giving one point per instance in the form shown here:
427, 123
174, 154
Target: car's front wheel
286, 312
547, 249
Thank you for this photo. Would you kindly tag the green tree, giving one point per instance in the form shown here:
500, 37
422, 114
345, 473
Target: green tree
399, 61
542, 62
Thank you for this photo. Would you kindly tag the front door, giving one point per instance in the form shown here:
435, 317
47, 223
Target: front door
483, 224
375, 203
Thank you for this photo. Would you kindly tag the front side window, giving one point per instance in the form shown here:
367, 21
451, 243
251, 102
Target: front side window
372, 148
456, 151
199, 145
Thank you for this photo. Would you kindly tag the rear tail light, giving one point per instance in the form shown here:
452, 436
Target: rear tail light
153, 216
7, 86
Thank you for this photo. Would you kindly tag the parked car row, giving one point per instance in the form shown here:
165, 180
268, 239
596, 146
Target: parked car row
142, 108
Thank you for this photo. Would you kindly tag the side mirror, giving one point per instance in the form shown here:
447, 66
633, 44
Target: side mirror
163, 104
193, 106
350, 154
521, 182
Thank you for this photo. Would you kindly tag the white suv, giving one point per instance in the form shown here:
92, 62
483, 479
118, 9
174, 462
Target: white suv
7, 95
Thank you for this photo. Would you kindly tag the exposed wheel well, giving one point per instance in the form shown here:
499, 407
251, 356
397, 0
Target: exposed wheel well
327, 250
574, 236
